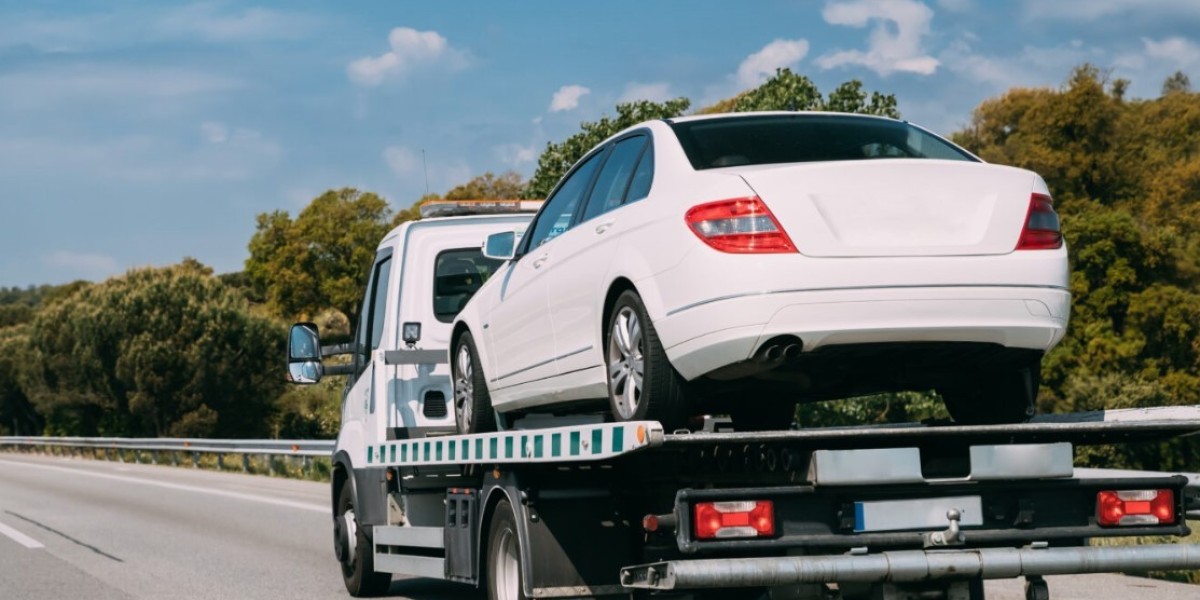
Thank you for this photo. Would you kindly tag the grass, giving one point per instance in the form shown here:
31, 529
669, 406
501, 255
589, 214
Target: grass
291, 467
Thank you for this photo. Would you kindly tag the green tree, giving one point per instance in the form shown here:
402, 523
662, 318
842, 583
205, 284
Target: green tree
1177, 82
319, 259
787, 90
17, 414
489, 186
168, 351
558, 157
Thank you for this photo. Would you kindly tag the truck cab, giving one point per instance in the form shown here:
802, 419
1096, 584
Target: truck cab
398, 382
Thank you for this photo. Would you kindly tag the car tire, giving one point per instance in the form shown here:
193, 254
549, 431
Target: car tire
642, 384
472, 404
503, 579
358, 569
994, 396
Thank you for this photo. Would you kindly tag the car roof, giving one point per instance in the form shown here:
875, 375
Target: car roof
787, 113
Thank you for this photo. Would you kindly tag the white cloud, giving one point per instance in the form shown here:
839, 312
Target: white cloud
410, 49
1181, 51
516, 155
214, 132
1030, 66
89, 83
82, 265
654, 92
1090, 10
401, 160
894, 44
567, 97
761, 65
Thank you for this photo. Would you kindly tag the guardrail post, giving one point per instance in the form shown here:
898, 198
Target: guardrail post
154, 457
195, 460
137, 456
220, 461
245, 462
174, 458
270, 463
308, 465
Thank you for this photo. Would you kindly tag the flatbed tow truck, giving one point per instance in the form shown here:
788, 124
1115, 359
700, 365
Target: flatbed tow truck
571, 506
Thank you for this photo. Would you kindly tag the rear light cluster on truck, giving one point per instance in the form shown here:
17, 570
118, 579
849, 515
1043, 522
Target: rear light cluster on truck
1135, 507
736, 519
739, 226
1042, 230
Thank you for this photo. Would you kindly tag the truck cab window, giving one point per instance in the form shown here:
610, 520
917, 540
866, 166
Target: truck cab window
382, 273
457, 275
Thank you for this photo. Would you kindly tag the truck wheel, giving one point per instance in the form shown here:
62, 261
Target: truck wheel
472, 403
642, 384
994, 397
504, 556
355, 551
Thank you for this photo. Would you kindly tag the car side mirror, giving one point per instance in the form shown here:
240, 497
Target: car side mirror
501, 246
304, 354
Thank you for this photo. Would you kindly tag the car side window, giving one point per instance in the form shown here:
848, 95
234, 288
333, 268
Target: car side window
555, 217
614, 178
643, 177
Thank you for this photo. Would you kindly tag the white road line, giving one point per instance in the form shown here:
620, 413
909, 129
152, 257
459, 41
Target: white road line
176, 486
20, 538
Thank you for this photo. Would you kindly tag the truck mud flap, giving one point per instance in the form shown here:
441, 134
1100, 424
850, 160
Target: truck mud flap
909, 566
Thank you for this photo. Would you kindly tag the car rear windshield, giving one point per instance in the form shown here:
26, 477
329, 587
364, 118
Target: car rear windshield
774, 139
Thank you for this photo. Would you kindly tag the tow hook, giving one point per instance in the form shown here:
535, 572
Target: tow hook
952, 536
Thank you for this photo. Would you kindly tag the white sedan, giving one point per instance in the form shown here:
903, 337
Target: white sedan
741, 263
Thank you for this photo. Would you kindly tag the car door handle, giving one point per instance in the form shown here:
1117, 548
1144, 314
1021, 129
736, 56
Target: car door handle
601, 228
539, 261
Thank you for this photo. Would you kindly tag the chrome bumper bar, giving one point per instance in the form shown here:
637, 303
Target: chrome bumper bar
909, 566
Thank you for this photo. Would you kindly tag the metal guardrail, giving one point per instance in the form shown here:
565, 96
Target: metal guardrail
174, 447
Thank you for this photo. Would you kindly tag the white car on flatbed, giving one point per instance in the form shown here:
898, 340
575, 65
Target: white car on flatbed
702, 264
568, 506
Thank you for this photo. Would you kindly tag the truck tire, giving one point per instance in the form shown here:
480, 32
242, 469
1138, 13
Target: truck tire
994, 396
504, 580
358, 567
472, 404
642, 384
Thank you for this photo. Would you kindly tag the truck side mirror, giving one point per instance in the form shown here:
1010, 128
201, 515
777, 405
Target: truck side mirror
304, 354
501, 246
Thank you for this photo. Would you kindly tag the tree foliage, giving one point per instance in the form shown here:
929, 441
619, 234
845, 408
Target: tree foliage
489, 186
787, 90
319, 259
558, 157
159, 351
1125, 175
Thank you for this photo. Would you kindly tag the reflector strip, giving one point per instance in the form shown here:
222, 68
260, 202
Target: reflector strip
584, 443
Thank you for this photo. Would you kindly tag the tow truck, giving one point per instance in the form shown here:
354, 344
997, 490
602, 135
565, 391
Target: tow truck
565, 506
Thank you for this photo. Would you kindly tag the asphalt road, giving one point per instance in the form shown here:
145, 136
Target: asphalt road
74, 528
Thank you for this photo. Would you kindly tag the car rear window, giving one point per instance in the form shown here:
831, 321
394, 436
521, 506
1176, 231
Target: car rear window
774, 139
457, 276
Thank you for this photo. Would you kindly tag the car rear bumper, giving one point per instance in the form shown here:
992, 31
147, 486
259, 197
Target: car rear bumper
711, 334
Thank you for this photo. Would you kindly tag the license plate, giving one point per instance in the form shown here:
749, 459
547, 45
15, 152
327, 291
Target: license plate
926, 513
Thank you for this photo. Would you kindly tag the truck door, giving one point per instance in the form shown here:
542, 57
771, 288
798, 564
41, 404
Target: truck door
366, 397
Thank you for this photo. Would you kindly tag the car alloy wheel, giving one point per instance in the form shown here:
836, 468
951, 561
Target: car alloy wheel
625, 362
464, 389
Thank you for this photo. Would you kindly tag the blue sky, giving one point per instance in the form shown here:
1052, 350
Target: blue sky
135, 133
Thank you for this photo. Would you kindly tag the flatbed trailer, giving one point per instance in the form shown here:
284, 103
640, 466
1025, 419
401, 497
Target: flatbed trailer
887, 511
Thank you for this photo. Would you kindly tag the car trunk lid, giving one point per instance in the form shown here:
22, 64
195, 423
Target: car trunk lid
895, 207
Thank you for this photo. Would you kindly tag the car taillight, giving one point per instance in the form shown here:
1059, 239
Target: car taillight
1135, 507
739, 519
1042, 230
739, 225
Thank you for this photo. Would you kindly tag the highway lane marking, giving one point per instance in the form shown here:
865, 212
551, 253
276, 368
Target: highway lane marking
20, 538
178, 486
